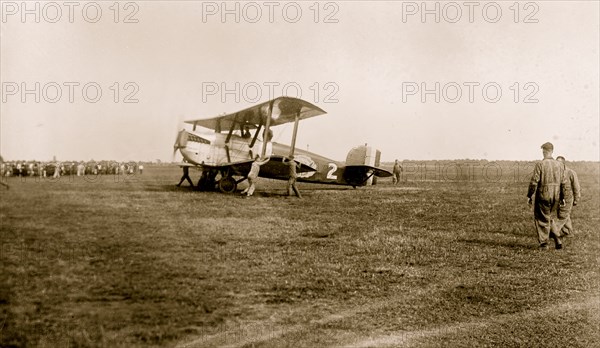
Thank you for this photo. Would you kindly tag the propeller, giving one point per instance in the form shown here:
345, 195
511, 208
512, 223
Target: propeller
180, 141
180, 137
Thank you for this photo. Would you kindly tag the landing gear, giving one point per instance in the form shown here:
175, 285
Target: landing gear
227, 184
221, 179
207, 180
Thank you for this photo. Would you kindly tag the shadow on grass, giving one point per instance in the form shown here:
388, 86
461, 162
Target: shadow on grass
11, 332
496, 243
175, 188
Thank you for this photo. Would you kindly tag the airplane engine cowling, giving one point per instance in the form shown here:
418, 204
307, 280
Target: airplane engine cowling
364, 155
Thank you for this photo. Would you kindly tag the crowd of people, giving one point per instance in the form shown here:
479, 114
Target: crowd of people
80, 168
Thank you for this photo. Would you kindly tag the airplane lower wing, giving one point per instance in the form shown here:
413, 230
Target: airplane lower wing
234, 168
275, 168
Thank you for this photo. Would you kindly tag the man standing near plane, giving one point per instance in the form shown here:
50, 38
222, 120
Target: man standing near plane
253, 175
292, 165
572, 194
547, 183
186, 176
397, 172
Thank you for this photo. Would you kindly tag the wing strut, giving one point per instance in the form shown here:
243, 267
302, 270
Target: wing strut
227, 153
218, 127
229, 137
256, 134
266, 131
296, 121
231, 129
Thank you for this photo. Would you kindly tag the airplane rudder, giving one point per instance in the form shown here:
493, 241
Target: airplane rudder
357, 155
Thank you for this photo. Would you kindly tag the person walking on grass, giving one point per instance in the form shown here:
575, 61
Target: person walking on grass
547, 183
572, 195
186, 176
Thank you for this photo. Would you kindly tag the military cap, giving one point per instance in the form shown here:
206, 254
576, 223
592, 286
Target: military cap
548, 146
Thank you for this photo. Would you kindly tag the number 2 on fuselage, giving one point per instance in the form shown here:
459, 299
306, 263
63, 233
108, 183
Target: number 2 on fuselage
330, 174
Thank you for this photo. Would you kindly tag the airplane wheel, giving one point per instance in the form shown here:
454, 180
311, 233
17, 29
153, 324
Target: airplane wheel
227, 184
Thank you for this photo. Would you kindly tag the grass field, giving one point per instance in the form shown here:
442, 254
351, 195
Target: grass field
447, 258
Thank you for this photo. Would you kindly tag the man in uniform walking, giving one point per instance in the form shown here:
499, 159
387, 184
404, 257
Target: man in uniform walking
572, 194
547, 184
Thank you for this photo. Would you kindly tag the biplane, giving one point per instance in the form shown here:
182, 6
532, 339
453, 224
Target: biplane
226, 155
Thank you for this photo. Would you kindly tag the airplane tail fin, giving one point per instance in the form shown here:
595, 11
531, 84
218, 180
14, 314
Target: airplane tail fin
362, 166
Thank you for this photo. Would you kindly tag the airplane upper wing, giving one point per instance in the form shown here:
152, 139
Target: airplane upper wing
285, 110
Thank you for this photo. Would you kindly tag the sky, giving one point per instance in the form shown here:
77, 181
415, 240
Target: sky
485, 80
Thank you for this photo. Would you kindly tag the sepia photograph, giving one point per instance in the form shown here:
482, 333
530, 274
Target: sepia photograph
300, 173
